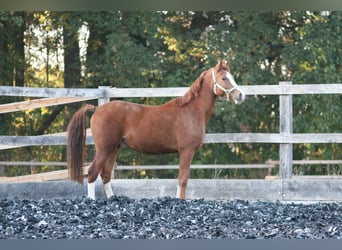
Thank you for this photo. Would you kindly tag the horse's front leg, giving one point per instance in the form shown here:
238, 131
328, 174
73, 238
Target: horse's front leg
185, 158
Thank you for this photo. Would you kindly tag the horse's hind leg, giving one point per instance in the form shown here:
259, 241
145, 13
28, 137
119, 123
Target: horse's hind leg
106, 174
93, 172
103, 164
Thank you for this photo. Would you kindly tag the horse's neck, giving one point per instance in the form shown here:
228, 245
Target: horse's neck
204, 103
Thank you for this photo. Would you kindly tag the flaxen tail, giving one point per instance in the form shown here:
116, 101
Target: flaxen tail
76, 138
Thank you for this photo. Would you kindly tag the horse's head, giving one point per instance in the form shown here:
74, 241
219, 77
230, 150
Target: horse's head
224, 84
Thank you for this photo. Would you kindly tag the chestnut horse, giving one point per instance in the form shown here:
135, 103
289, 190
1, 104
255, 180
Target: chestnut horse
177, 126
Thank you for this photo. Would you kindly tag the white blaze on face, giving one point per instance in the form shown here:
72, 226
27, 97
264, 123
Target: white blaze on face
231, 80
242, 95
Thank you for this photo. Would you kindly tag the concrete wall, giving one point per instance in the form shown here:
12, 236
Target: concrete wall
301, 190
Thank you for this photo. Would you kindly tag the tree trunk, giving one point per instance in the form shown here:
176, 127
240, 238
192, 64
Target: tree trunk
72, 64
19, 45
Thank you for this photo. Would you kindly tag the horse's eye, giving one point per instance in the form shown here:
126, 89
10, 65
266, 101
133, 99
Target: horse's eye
224, 78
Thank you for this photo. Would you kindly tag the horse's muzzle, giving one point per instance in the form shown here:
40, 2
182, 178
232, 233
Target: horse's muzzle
238, 96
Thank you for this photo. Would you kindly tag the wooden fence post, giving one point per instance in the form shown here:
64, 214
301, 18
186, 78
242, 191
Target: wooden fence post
2, 170
105, 98
285, 128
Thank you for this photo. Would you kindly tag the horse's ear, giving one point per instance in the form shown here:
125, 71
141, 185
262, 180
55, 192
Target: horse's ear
222, 65
227, 65
218, 66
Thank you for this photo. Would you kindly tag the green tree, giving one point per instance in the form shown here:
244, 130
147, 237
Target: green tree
164, 49
314, 57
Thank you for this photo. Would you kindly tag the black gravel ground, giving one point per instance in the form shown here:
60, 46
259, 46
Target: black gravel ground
167, 218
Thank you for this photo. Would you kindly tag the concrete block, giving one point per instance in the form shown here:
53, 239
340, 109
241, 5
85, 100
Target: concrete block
288, 190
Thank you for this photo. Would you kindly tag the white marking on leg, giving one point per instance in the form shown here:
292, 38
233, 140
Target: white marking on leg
91, 190
108, 190
178, 192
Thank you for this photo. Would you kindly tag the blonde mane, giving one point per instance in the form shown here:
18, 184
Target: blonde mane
192, 92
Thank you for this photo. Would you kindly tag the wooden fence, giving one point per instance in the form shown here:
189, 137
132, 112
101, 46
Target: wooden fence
286, 138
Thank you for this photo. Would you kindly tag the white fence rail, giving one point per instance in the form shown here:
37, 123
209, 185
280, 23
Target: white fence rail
286, 138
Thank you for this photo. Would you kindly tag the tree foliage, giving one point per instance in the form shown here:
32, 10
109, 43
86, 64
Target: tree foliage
164, 49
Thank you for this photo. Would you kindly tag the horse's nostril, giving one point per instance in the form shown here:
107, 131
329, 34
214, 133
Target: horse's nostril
241, 96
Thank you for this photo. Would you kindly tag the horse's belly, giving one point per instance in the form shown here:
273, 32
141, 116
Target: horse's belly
150, 145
